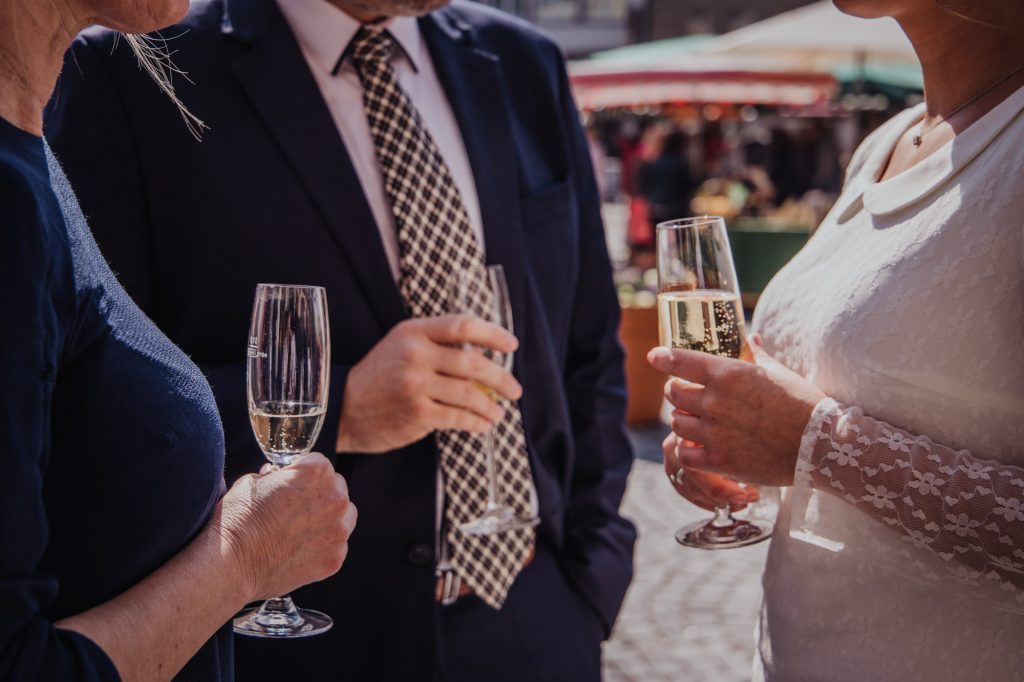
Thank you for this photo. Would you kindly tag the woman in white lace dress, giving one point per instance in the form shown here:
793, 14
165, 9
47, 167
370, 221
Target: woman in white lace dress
894, 405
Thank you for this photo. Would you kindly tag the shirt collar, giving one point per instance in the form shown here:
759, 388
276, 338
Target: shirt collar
900, 191
325, 32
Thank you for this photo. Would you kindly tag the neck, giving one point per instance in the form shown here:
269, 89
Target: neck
961, 58
358, 10
33, 39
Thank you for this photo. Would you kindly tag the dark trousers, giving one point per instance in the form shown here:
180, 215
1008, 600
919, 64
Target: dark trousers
545, 632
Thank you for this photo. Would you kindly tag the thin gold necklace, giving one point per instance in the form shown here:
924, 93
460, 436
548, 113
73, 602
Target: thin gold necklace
921, 133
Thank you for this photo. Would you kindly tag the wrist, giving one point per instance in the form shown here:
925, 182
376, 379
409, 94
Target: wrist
222, 540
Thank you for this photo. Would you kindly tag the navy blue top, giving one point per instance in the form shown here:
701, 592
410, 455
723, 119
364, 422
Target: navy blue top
111, 449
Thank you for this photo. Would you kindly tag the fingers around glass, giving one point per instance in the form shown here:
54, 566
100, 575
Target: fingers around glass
685, 396
699, 315
287, 380
474, 365
481, 291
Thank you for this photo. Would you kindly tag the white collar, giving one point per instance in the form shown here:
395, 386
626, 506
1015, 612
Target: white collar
918, 182
324, 31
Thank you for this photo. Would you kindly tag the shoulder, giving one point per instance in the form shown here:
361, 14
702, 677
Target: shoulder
31, 226
23, 190
498, 31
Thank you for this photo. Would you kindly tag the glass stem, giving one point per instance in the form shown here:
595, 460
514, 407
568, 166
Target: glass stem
278, 612
723, 517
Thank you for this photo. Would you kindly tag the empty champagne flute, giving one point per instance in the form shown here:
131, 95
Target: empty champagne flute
482, 291
699, 308
287, 376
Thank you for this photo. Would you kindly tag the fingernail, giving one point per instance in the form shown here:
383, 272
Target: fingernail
658, 353
739, 499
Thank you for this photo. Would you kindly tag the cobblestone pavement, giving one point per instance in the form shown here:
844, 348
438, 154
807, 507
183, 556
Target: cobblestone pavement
689, 614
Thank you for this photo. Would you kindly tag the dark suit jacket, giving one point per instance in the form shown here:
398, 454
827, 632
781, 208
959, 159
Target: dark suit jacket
270, 195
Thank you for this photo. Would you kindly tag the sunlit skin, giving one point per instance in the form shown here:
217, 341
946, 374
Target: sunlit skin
370, 11
35, 34
745, 421
420, 369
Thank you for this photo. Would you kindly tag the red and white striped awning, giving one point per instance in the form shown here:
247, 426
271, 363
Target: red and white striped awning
707, 83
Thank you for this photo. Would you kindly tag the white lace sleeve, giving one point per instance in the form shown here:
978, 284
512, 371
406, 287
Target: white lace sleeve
940, 516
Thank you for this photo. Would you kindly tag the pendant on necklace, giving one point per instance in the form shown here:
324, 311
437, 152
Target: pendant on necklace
916, 140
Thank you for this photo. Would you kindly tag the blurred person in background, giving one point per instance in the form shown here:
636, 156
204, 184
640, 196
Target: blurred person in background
893, 409
665, 181
121, 557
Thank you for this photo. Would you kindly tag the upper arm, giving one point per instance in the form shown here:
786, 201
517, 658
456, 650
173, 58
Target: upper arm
30, 647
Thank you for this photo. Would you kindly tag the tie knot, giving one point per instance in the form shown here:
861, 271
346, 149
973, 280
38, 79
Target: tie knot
372, 47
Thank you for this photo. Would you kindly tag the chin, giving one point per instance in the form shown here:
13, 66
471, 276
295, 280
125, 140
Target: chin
866, 9
138, 16
396, 8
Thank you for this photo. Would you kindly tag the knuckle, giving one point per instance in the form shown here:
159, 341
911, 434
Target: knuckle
462, 325
410, 352
713, 404
732, 372
470, 422
338, 503
318, 463
350, 519
341, 484
466, 393
476, 364
418, 411
407, 383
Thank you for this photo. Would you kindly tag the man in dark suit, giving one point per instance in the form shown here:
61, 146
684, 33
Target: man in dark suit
375, 147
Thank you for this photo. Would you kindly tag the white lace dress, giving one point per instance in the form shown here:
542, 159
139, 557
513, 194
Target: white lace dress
899, 552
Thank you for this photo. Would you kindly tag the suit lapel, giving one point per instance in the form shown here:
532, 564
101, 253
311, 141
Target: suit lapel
475, 87
277, 80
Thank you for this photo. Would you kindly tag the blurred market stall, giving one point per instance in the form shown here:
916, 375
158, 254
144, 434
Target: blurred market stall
755, 125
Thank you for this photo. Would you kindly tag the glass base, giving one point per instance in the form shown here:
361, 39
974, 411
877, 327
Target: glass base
279, 619
498, 520
715, 535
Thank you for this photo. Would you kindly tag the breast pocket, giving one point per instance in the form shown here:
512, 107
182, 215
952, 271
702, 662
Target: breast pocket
551, 230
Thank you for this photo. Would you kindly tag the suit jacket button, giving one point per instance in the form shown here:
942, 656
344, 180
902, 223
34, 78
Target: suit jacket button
421, 554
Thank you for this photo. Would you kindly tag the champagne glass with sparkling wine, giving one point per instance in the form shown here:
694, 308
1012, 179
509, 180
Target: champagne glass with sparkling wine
482, 291
699, 309
287, 375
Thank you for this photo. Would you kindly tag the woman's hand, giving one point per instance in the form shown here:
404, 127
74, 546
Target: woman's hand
745, 421
706, 490
287, 527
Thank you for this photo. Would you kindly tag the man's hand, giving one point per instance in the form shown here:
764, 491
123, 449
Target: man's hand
419, 379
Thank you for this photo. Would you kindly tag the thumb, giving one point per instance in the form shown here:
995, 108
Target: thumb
761, 356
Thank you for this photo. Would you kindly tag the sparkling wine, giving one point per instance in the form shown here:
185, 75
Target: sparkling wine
286, 430
703, 320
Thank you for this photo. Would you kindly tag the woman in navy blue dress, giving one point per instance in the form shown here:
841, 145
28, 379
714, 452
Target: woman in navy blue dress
121, 556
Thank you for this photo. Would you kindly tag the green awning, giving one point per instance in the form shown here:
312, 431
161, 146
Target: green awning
654, 52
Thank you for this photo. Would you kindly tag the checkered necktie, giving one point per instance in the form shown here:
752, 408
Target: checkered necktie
436, 242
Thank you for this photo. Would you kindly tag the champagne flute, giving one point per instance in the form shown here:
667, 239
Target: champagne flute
287, 375
482, 291
699, 309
